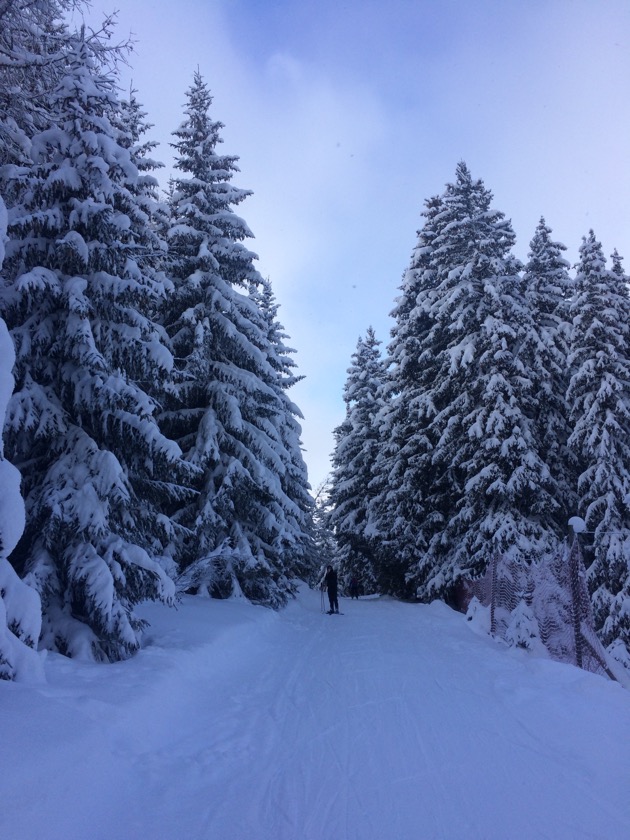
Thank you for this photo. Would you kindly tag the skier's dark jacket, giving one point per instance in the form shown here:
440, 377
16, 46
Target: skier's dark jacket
331, 582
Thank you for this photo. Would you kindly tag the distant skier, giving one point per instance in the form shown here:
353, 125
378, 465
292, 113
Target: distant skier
330, 582
354, 588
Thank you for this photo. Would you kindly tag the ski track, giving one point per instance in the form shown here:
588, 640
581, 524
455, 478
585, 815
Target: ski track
391, 722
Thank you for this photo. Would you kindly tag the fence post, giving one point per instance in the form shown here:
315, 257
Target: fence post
494, 562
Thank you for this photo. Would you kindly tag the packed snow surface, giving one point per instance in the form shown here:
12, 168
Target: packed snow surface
391, 722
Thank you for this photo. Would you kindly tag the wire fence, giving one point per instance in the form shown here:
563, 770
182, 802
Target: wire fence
545, 603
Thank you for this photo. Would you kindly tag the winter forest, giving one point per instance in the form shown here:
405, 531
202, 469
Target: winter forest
150, 422
497, 422
150, 445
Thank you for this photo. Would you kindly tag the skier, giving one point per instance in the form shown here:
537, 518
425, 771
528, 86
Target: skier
354, 588
330, 582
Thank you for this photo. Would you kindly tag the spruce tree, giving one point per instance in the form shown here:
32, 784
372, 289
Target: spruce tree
401, 517
32, 54
34, 39
471, 463
484, 434
600, 441
323, 537
152, 210
81, 425
548, 288
356, 446
298, 506
226, 408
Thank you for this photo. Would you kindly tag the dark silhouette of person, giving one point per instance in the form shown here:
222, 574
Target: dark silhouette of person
331, 585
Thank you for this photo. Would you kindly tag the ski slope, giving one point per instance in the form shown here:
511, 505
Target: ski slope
390, 722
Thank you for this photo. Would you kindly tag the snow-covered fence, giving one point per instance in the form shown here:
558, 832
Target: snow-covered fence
543, 605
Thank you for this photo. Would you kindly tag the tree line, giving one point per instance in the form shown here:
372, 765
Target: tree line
149, 442
146, 372
500, 410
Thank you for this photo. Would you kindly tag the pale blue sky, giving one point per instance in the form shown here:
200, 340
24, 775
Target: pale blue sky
347, 114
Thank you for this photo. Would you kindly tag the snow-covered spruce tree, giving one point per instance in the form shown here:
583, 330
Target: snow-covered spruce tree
298, 531
32, 54
548, 288
323, 538
34, 39
356, 446
133, 125
491, 487
151, 250
599, 405
401, 520
20, 607
227, 405
81, 427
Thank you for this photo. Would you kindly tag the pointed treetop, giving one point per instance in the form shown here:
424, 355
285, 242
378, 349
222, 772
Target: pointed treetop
592, 259
617, 267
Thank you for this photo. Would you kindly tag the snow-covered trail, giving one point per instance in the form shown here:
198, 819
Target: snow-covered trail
393, 721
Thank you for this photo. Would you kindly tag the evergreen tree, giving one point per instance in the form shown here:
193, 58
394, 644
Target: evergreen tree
485, 439
298, 504
227, 410
472, 461
401, 519
323, 537
133, 125
32, 55
356, 446
600, 441
34, 42
548, 289
81, 426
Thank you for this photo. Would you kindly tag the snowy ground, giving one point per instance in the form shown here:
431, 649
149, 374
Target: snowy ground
390, 722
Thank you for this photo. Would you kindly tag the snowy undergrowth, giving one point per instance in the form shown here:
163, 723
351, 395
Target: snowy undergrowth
391, 721
20, 609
